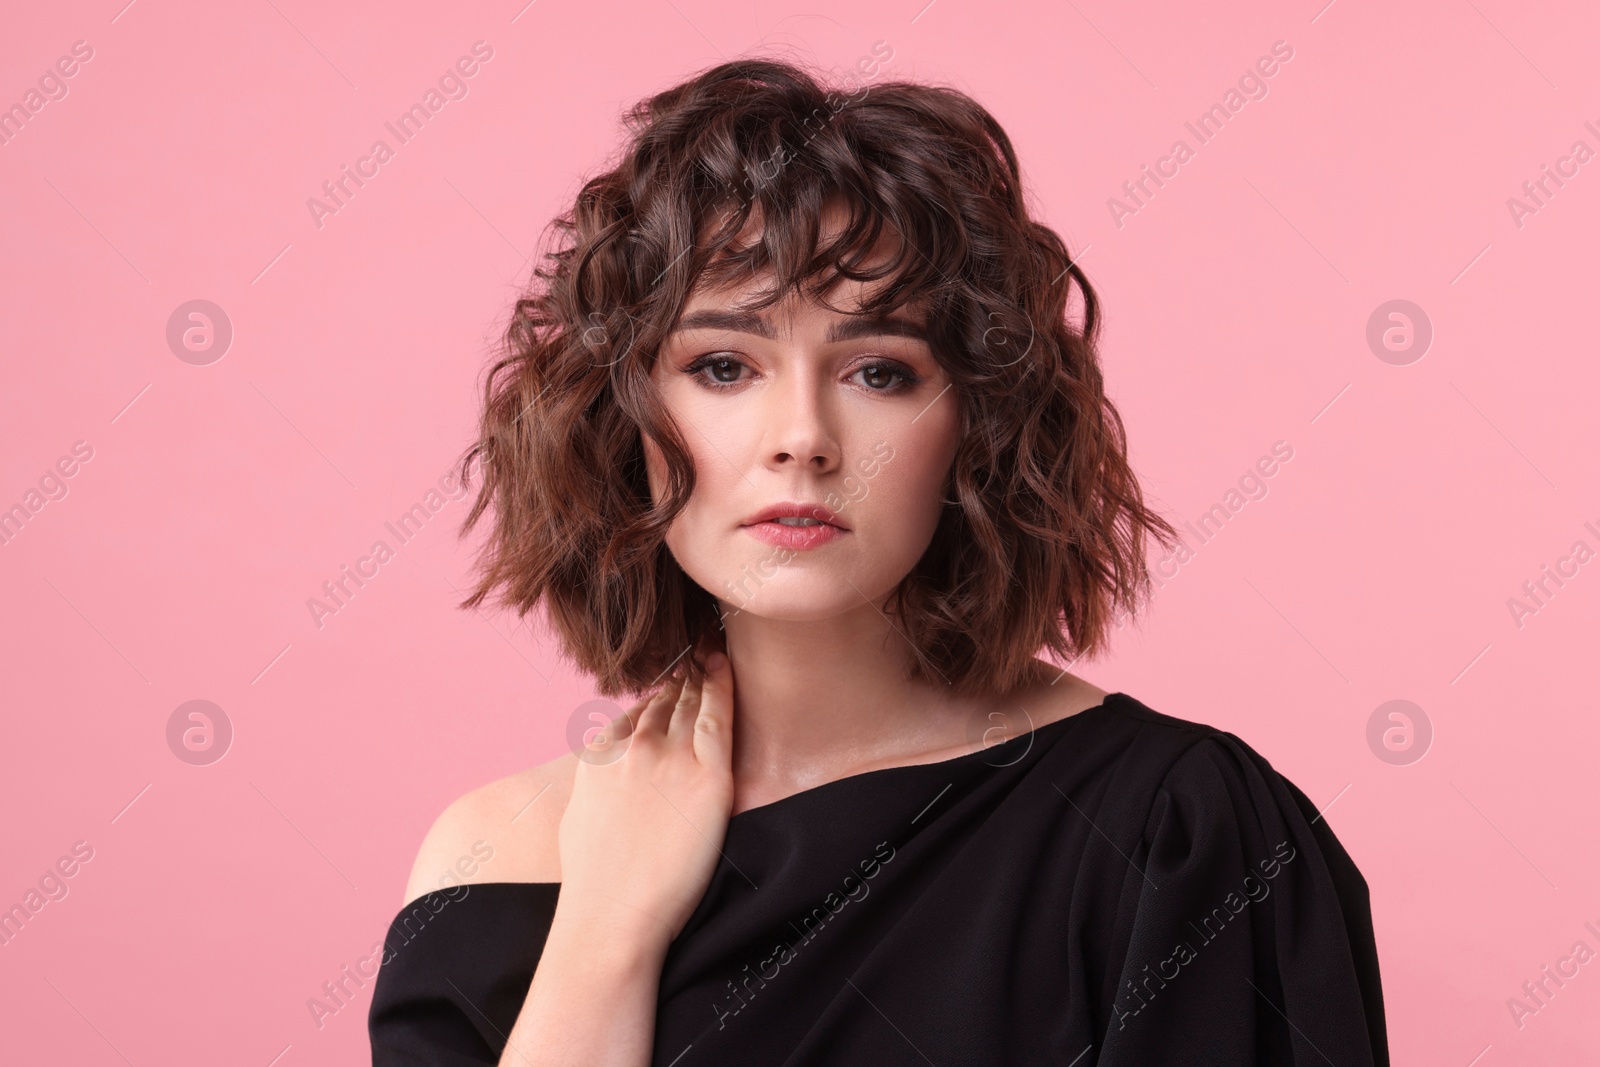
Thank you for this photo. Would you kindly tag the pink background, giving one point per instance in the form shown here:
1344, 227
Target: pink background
219, 498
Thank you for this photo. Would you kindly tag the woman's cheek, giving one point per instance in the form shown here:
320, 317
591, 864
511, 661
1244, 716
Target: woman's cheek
916, 474
900, 511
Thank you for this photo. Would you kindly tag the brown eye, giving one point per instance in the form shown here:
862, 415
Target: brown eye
878, 376
724, 371
887, 377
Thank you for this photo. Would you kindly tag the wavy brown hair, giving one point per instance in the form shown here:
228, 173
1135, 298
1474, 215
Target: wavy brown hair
1046, 540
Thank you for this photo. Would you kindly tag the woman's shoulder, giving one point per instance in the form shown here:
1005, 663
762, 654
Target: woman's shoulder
1169, 730
504, 831
1165, 739
1194, 763
1242, 884
1201, 787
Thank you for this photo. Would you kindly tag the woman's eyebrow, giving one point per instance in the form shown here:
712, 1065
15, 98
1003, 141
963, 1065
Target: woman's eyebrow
847, 328
852, 327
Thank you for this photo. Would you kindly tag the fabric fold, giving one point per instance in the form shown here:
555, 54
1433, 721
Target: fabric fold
1119, 887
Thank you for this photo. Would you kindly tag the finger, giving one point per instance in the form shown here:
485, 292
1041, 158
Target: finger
713, 727
623, 724
657, 709
684, 711
619, 727
610, 741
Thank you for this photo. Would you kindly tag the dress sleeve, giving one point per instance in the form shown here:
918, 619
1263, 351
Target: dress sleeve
1249, 933
454, 974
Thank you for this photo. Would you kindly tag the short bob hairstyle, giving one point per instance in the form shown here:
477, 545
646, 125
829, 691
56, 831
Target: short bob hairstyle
1045, 539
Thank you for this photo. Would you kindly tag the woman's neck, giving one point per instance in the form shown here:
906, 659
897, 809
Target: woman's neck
815, 701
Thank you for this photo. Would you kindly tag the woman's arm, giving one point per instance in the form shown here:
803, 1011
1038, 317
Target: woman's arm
593, 998
639, 840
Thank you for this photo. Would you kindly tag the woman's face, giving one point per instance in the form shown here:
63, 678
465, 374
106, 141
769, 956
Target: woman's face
800, 404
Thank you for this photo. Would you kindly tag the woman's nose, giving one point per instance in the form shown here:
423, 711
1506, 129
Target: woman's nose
800, 423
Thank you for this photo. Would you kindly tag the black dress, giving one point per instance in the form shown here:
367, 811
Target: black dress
1119, 887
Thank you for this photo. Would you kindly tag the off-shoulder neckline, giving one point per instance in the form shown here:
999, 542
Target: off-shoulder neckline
1028, 737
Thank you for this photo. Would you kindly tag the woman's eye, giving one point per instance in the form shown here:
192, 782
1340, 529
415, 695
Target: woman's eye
881, 377
723, 371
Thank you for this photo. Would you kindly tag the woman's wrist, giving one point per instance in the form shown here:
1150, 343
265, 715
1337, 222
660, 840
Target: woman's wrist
607, 933
592, 999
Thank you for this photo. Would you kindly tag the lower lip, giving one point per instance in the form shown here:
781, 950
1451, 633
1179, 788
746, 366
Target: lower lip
796, 537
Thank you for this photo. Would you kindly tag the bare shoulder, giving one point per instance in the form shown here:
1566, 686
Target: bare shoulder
506, 831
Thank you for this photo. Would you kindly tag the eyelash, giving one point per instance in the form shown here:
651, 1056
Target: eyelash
908, 379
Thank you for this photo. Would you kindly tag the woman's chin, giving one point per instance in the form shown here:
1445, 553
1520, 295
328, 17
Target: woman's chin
804, 600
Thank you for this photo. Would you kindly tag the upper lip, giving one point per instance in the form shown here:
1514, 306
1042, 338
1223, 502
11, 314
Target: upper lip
795, 507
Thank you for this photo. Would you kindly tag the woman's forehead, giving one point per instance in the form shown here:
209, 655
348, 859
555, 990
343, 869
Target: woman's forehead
837, 215
848, 297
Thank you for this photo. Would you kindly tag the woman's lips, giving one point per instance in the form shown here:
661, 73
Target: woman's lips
794, 537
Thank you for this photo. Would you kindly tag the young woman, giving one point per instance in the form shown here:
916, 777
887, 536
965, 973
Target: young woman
798, 442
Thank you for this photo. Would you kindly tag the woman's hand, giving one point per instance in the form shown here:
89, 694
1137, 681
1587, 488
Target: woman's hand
641, 834
638, 841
